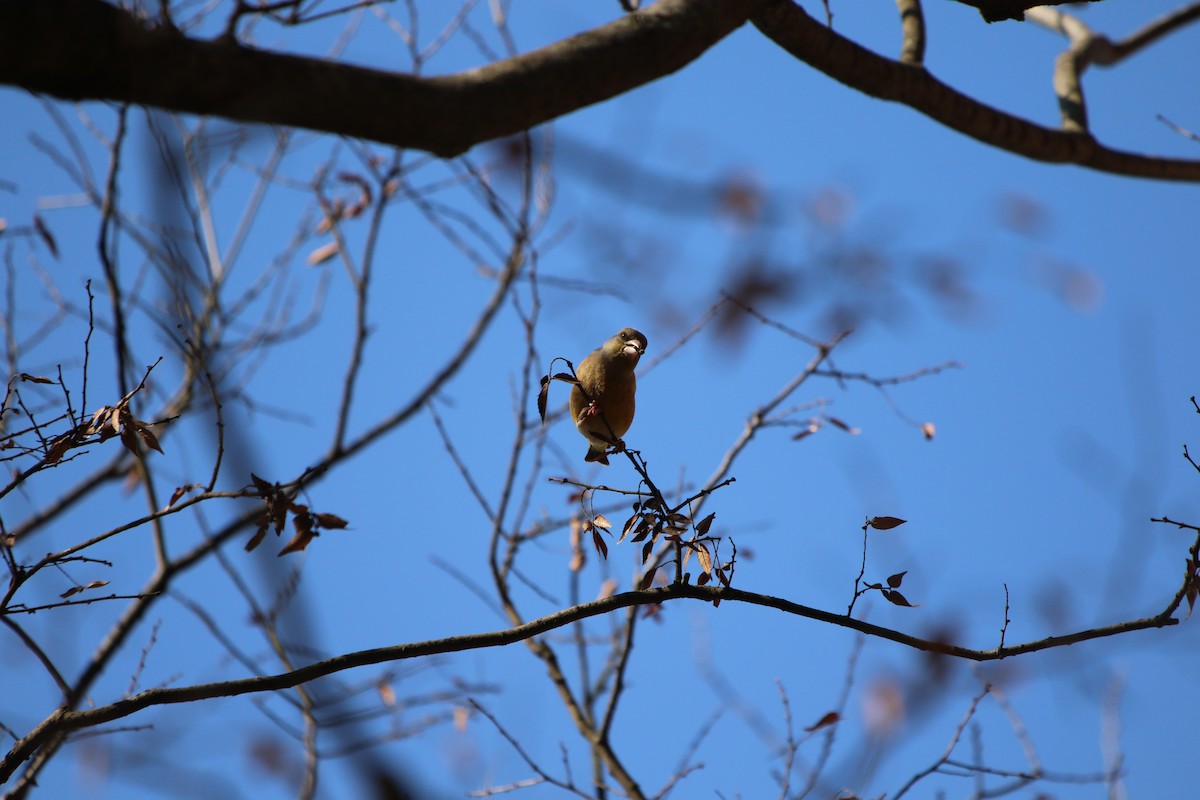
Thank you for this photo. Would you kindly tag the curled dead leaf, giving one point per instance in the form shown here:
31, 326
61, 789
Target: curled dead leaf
599, 543
543, 397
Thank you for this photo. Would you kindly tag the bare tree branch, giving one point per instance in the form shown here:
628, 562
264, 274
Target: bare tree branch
795, 31
89, 50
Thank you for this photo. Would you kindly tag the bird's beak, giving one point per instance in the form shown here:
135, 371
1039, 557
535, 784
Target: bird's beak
633, 349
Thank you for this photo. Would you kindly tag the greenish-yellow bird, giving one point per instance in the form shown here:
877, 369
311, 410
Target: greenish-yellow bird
602, 405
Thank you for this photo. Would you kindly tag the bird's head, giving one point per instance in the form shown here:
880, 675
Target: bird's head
627, 345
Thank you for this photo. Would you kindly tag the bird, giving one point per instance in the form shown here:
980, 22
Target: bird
602, 403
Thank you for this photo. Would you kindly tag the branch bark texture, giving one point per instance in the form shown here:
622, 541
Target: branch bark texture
89, 50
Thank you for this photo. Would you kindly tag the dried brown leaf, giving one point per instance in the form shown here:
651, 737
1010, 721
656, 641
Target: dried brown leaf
298, 542
830, 718
279, 517
896, 598
331, 521
543, 397
607, 589
885, 523
147, 436
25, 376
129, 439
647, 580
257, 538
629, 525
705, 559
601, 521
179, 492
322, 254
929, 430
74, 590
600, 545
58, 448
895, 580
706, 523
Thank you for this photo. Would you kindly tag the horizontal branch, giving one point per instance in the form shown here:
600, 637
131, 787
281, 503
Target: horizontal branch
63, 721
795, 31
90, 50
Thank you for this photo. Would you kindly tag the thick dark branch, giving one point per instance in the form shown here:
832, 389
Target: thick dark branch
63, 721
791, 28
89, 50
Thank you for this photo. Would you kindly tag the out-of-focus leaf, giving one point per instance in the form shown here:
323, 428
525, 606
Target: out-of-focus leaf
257, 538
298, 542
322, 254
179, 492
830, 718
929, 430
837, 423
39, 225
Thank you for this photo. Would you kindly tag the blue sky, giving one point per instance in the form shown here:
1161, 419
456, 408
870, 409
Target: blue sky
1057, 439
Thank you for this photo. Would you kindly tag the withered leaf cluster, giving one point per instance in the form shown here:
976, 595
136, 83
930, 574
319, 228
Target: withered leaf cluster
306, 524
